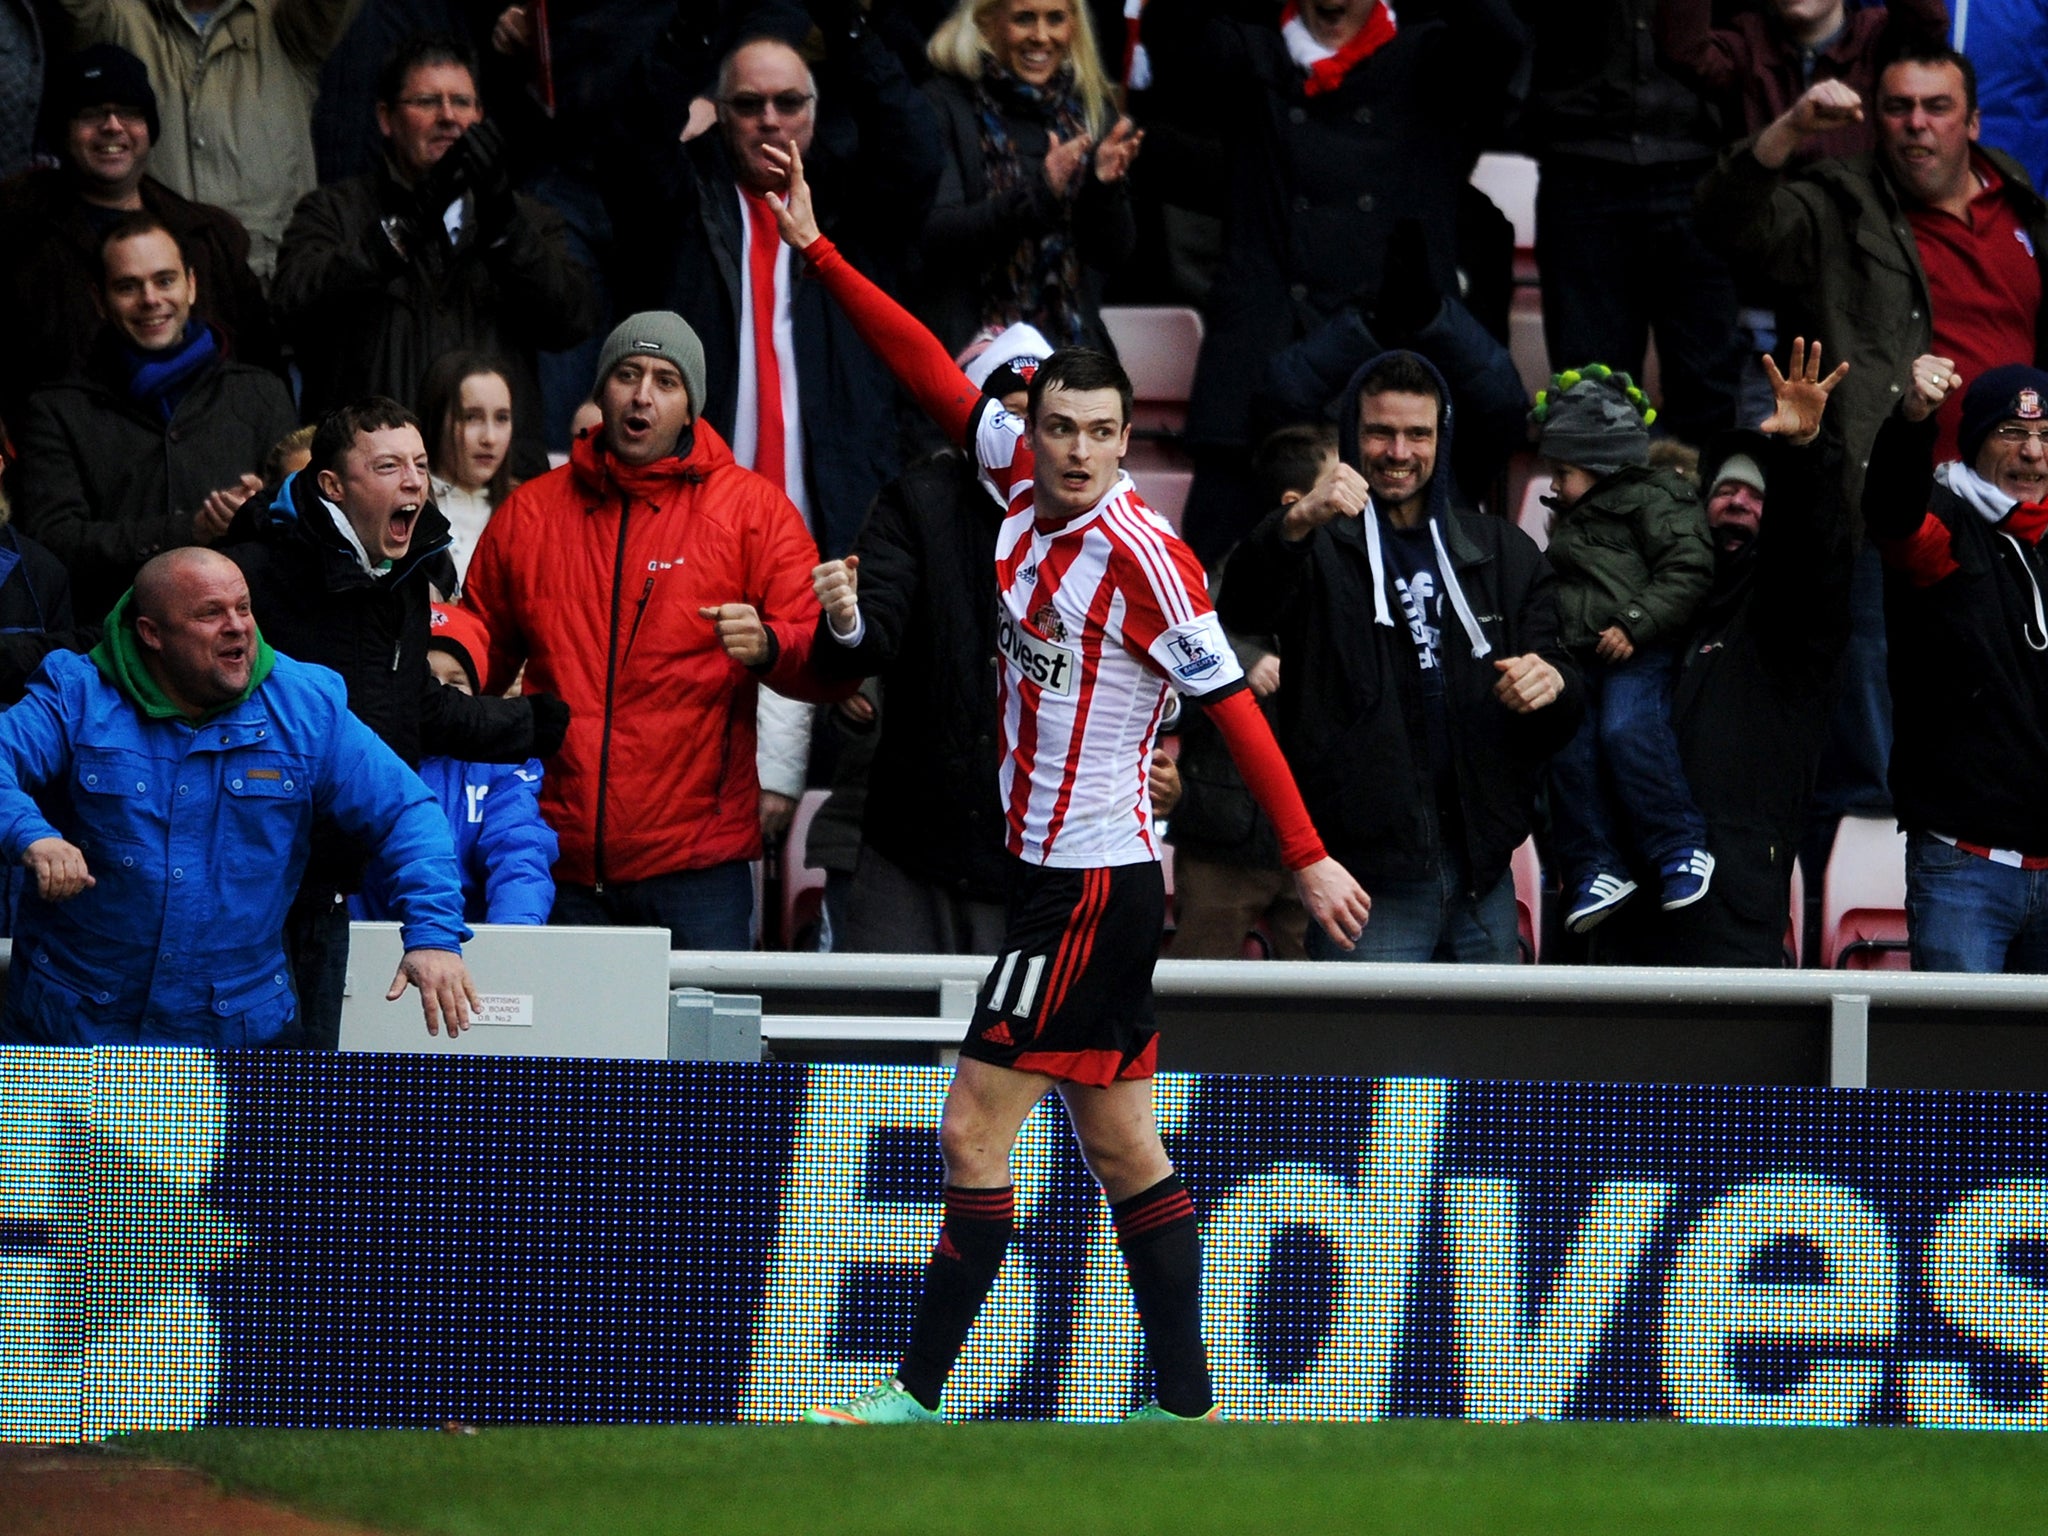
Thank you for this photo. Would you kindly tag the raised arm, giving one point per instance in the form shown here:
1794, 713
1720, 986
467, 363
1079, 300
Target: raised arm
912, 353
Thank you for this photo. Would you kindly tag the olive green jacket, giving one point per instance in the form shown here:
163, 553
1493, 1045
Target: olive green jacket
1633, 553
1833, 238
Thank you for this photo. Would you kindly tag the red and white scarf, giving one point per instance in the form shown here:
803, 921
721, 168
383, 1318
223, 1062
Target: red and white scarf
1327, 69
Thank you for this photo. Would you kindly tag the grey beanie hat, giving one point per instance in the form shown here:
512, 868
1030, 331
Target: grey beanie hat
1593, 423
1739, 469
656, 333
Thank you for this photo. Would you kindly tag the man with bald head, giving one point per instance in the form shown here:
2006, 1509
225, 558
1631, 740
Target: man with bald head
162, 791
791, 386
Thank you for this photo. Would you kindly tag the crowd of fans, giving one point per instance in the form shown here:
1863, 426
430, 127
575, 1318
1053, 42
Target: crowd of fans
327, 285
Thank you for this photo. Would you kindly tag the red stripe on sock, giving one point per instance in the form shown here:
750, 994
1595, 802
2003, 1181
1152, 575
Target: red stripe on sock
1151, 1218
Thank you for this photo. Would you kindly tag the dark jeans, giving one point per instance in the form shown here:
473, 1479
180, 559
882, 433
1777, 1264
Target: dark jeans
316, 942
1627, 733
1965, 913
1621, 257
701, 908
1433, 919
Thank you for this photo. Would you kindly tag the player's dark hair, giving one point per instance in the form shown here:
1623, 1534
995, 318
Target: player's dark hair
421, 51
337, 434
1080, 368
1400, 373
1901, 45
1292, 458
131, 225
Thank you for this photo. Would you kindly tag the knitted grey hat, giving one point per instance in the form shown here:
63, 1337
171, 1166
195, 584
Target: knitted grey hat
1740, 469
1592, 422
656, 333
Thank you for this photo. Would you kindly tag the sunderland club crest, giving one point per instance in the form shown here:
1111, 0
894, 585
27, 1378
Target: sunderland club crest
1047, 622
2026, 405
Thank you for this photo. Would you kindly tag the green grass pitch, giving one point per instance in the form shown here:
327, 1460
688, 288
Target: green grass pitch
1412, 1477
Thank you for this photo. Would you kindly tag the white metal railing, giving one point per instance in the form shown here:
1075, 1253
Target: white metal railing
1848, 996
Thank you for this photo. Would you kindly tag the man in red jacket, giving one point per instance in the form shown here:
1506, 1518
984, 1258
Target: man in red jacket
654, 584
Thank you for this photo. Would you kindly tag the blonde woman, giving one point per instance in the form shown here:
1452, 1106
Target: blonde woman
1033, 207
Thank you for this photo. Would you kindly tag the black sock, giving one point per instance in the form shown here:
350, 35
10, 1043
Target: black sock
977, 1229
1162, 1249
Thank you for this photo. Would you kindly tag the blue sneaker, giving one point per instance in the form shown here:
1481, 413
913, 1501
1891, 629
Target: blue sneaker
1595, 899
888, 1403
1687, 877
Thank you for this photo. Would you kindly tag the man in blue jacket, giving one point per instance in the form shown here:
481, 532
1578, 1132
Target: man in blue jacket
162, 792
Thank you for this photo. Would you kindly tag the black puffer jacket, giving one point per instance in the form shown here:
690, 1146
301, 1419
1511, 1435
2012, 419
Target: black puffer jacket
106, 483
315, 602
370, 292
1351, 707
928, 594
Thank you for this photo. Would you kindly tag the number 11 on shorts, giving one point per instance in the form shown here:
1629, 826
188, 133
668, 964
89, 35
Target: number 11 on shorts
1027, 993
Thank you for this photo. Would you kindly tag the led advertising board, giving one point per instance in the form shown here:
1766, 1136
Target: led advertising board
270, 1238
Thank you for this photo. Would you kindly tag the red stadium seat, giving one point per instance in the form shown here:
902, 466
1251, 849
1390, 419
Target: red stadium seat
803, 884
1863, 900
1528, 873
1165, 490
1157, 346
1795, 922
1531, 516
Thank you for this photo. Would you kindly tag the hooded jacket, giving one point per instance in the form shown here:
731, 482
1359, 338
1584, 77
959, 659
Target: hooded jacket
503, 847
196, 834
1968, 651
592, 576
318, 604
1351, 706
1633, 553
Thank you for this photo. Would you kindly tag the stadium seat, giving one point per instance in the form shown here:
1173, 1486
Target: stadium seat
1795, 922
1863, 897
1531, 516
803, 884
1165, 490
1528, 874
1166, 874
1157, 345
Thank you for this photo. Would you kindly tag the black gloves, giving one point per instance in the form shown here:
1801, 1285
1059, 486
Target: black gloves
477, 164
550, 723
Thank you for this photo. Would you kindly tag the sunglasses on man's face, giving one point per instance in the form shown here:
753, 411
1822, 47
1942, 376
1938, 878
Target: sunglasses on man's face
754, 104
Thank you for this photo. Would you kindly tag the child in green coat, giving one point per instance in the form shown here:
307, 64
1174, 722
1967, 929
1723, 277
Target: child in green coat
1634, 561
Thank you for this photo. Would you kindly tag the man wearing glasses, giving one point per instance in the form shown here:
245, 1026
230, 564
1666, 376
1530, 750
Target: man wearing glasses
1967, 610
791, 386
431, 252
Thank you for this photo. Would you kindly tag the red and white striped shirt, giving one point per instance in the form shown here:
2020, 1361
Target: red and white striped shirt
1096, 619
